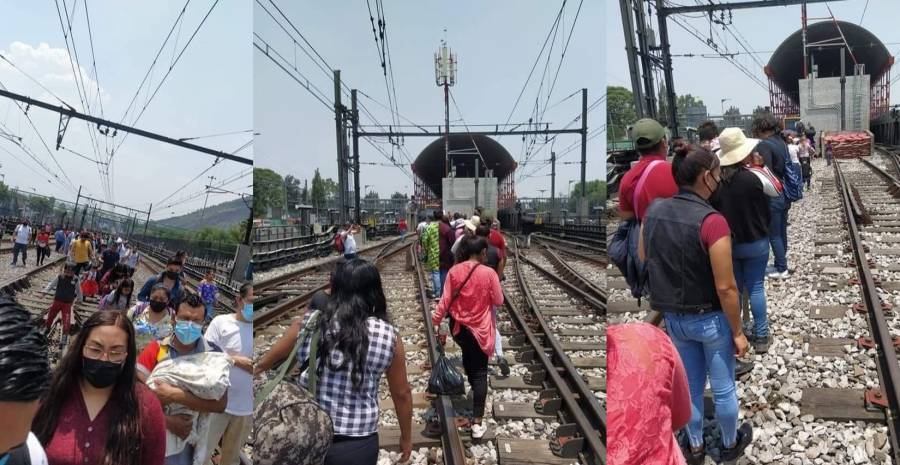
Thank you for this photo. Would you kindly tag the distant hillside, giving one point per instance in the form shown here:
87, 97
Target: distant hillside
223, 215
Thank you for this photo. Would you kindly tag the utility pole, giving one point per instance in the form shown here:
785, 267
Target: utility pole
663, 12
339, 134
584, 128
646, 60
75, 211
552, 183
631, 53
211, 178
354, 118
146, 223
445, 75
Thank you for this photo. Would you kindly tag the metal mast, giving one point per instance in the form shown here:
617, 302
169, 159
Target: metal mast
445, 75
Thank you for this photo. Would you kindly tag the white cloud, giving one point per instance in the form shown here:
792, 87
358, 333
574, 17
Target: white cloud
53, 69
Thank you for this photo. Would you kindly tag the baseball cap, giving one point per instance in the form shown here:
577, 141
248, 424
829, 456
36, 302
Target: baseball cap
647, 132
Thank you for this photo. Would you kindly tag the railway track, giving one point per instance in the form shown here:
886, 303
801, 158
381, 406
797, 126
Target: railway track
549, 410
275, 298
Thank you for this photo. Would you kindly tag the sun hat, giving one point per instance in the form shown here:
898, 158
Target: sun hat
471, 225
734, 146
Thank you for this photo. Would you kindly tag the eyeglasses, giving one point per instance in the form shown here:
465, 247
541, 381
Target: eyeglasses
97, 353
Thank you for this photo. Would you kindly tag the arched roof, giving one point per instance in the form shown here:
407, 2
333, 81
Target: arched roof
786, 65
429, 165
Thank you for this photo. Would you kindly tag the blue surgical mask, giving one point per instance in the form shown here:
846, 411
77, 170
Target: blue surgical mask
246, 314
187, 332
4, 458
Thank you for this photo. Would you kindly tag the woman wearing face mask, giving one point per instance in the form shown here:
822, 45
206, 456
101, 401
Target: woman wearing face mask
119, 299
687, 247
169, 278
95, 411
233, 333
152, 319
470, 293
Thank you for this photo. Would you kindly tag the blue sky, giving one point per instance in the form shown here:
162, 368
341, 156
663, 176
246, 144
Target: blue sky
207, 92
496, 43
713, 79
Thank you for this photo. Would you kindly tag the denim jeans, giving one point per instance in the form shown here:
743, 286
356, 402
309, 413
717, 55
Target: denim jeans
23, 248
778, 207
749, 260
443, 277
706, 347
436, 283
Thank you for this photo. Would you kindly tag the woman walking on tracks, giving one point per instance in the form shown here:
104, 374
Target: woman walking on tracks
471, 292
687, 246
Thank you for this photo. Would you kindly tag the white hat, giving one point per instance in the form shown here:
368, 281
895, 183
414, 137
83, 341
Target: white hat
119, 240
475, 219
471, 225
734, 146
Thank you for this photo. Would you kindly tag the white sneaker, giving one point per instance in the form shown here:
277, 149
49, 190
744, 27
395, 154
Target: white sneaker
478, 431
778, 275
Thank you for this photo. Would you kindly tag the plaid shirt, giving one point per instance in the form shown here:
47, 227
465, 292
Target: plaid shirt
354, 413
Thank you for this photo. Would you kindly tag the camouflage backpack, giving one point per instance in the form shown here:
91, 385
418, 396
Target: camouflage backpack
289, 426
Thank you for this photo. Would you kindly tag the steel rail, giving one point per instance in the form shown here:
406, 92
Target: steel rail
263, 318
588, 296
888, 366
451, 442
583, 407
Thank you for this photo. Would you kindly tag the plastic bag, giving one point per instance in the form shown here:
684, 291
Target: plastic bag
445, 379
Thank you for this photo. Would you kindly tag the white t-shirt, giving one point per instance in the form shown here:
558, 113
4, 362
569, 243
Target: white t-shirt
36, 454
23, 234
235, 338
794, 150
349, 244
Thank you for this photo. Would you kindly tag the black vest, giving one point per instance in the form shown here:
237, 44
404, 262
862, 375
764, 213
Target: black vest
66, 290
680, 274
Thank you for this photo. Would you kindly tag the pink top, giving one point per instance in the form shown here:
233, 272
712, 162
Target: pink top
472, 307
648, 397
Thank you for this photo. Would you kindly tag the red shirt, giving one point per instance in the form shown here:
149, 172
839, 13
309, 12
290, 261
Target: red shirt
714, 227
472, 308
649, 398
658, 184
43, 237
78, 440
495, 238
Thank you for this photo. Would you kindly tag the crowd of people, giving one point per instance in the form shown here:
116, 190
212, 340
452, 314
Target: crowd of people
346, 342
694, 238
150, 377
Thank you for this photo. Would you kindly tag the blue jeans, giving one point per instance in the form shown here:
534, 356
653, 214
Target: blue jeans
436, 282
749, 260
778, 207
706, 347
443, 276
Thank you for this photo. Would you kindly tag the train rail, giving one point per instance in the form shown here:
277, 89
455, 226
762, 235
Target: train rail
277, 297
557, 336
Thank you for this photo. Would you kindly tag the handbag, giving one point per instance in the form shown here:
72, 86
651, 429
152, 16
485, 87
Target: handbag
771, 185
289, 425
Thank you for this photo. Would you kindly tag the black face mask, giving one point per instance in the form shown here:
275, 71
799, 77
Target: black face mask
99, 373
171, 274
157, 306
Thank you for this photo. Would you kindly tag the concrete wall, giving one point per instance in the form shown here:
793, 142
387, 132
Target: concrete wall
459, 195
820, 101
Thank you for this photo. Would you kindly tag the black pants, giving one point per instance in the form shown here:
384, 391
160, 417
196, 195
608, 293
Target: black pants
42, 252
355, 450
475, 362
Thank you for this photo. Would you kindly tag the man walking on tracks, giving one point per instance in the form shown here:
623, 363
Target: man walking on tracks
67, 290
82, 252
21, 236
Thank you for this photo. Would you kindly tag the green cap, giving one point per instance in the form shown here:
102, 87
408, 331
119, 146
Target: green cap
647, 132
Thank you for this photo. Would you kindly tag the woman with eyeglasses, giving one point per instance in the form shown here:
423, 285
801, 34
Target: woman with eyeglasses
95, 412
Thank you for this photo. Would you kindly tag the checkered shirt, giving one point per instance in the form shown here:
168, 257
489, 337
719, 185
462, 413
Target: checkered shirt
354, 413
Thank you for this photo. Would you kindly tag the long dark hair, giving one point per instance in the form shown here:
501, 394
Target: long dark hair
356, 295
123, 440
118, 292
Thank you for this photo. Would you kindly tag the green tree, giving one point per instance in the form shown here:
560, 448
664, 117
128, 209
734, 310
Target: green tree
732, 117
331, 188
318, 192
595, 191
268, 191
294, 191
620, 111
